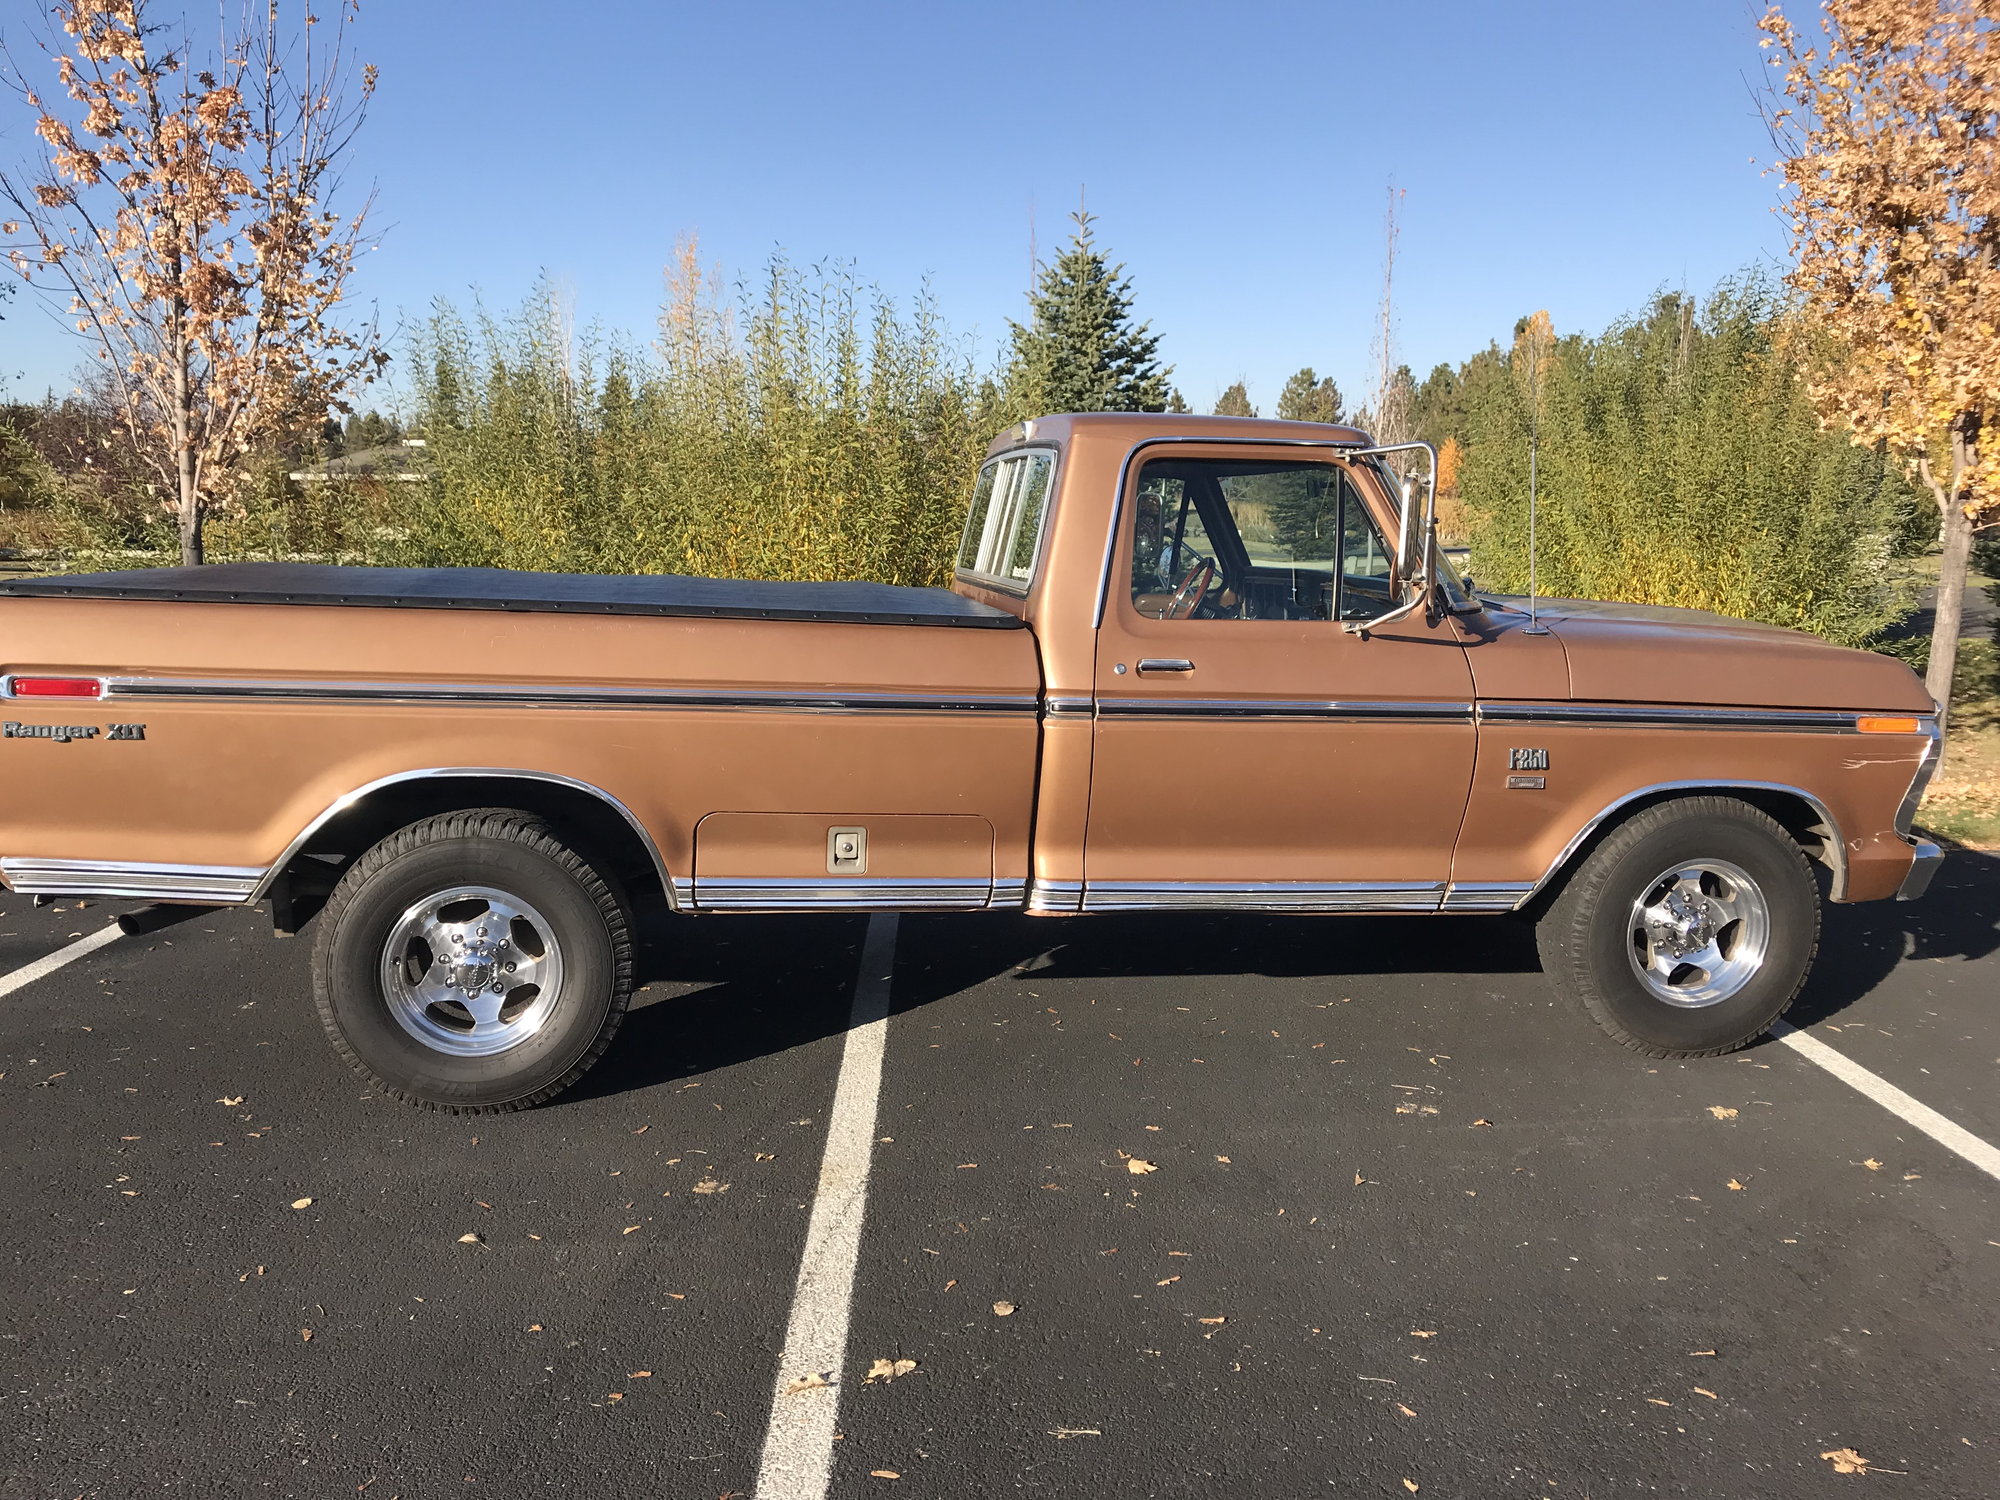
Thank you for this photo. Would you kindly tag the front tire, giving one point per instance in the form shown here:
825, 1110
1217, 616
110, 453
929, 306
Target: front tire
1688, 930
472, 963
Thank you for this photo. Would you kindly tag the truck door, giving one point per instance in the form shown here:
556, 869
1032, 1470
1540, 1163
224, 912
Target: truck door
1249, 752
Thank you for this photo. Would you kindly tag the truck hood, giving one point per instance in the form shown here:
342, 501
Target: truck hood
1650, 653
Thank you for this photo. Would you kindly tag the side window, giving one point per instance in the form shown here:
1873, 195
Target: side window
1218, 539
1003, 531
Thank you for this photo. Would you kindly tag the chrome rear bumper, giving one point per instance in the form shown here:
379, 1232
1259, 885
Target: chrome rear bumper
1922, 867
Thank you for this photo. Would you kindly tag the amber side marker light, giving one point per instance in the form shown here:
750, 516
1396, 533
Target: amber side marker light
56, 687
1887, 726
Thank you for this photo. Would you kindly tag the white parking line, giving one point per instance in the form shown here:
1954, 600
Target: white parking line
1953, 1137
798, 1445
28, 973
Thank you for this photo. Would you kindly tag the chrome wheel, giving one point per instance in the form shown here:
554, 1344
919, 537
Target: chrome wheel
471, 971
1699, 933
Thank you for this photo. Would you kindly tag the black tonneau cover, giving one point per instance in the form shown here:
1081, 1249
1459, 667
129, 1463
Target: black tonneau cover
528, 593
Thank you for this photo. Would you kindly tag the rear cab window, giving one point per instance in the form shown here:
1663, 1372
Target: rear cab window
1010, 511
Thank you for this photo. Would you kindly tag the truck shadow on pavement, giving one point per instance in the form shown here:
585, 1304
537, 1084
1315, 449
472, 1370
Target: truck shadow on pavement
752, 987
1959, 917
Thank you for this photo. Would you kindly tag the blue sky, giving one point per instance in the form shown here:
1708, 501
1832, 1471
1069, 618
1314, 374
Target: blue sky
1569, 156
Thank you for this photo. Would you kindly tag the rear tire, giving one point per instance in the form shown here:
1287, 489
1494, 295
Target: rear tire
1688, 930
472, 963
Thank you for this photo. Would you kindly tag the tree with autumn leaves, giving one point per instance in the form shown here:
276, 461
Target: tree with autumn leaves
1889, 120
183, 212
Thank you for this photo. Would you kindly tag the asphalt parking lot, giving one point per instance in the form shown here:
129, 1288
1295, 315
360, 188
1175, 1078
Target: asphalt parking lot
1280, 1207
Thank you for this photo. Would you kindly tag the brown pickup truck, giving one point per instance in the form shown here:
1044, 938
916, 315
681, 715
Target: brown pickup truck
1186, 664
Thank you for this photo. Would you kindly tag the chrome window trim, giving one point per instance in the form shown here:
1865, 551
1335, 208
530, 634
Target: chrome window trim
1351, 445
1265, 896
433, 773
336, 690
1836, 847
218, 885
1284, 708
1017, 587
744, 893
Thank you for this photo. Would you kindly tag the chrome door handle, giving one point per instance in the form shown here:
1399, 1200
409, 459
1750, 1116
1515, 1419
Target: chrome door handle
1164, 664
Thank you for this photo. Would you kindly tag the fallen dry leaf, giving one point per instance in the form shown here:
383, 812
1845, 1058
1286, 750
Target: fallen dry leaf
1224, 1160
1482, 1122
306, 1335
1722, 1111
1139, 1167
638, 1374
1701, 1354
302, 1203
710, 1185
615, 1396
1735, 1186
1410, 1485
1404, 1410
1702, 1390
1070, 1432
883, 1474
1874, 1166
631, 1228
886, 1370
1003, 1309
534, 1328
1169, 1281
812, 1382
1658, 1402
231, 1102
1423, 1333
1846, 1461
1217, 1322
470, 1239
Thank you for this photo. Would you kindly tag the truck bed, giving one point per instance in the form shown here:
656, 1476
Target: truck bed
525, 593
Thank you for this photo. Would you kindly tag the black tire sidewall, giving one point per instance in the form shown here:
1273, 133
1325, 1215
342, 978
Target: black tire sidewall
1787, 888
353, 1002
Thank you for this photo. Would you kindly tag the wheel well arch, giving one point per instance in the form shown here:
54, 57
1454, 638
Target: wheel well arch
1796, 810
591, 819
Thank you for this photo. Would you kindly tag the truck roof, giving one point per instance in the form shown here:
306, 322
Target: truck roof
1137, 427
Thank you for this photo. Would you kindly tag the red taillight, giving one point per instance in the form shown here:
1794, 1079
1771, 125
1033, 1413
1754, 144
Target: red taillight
56, 687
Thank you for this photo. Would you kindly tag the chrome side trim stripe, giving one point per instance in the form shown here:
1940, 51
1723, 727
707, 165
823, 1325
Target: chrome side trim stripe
1656, 716
746, 894
541, 696
1271, 896
221, 885
1284, 708
1055, 898
1068, 708
1485, 895
1009, 894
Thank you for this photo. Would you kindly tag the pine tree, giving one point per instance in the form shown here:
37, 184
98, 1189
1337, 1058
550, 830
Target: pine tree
1176, 402
1083, 352
1235, 402
1308, 398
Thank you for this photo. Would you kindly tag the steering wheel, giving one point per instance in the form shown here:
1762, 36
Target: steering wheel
1190, 591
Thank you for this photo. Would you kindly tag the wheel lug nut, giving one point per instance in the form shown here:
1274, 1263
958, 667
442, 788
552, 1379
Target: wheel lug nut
510, 968
482, 932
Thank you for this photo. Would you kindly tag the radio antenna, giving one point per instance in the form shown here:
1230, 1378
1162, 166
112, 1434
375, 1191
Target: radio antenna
1534, 350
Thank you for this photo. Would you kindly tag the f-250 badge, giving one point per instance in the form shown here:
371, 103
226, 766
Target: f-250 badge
62, 734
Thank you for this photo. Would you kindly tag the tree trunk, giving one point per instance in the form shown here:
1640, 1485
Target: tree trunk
1952, 572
